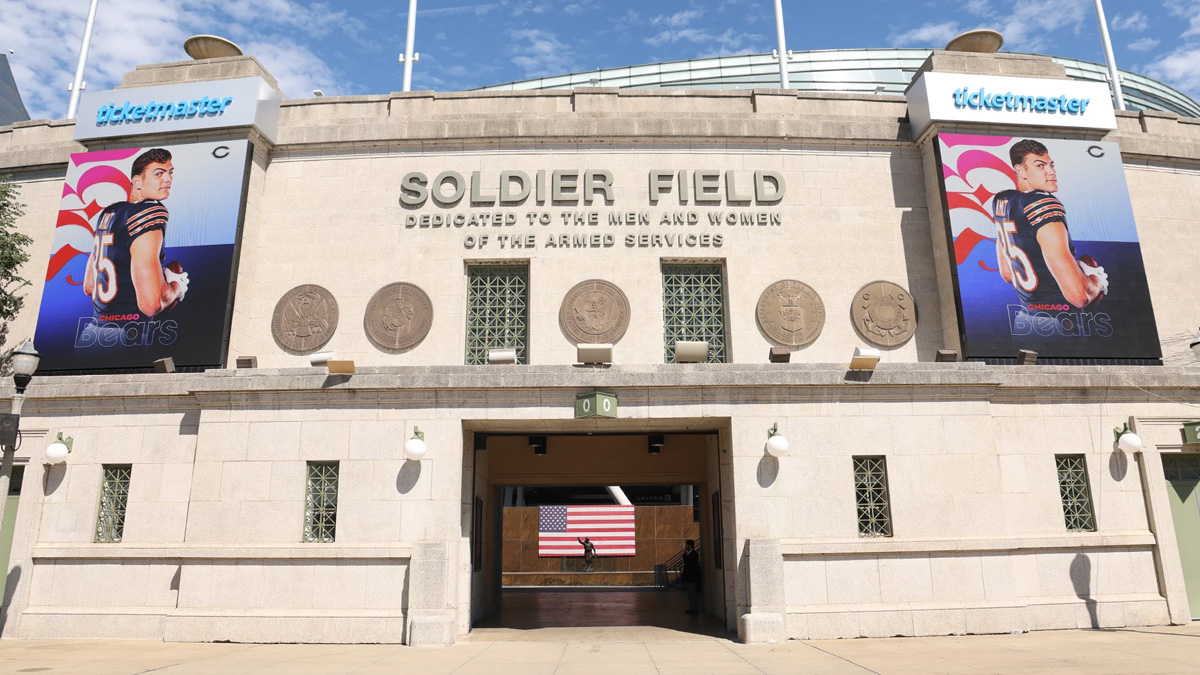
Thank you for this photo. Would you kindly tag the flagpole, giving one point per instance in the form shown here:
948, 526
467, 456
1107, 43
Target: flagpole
783, 45
1113, 76
408, 44
77, 85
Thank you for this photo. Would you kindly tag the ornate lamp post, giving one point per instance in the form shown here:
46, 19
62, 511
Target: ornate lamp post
24, 362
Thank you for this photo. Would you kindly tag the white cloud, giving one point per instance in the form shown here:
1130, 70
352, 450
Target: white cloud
46, 35
1135, 22
540, 53
1187, 9
978, 7
1143, 45
928, 35
1180, 68
678, 19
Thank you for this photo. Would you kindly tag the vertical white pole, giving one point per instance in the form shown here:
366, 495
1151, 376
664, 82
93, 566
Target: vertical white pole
77, 86
783, 59
1113, 76
408, 44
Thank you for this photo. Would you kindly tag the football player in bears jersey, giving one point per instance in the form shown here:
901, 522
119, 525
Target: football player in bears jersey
1034, 246
125, 276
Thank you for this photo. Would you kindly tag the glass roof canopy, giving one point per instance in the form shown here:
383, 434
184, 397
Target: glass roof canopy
849, 71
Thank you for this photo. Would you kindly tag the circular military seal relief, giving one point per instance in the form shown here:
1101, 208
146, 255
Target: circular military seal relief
791, 313
884, 314
594, 311
398, 317
305, 319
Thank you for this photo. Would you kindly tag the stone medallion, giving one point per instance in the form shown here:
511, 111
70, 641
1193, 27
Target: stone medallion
884, 314
305, 319
398, 317
791, 313
594, 311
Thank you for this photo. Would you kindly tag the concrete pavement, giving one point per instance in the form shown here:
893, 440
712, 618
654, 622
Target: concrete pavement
613, 651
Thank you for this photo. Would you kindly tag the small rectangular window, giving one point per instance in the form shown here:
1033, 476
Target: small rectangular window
114, 497
871, 495
1076, 495
694, 308
320, 506
497, 311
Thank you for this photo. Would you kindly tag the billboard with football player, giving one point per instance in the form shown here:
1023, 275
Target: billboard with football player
1046, 253
144, 253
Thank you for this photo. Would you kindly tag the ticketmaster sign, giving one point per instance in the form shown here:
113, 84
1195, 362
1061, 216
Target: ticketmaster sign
247, 101
989, 99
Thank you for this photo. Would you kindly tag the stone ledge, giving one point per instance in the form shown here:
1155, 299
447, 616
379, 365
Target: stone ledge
799, 548
164, 553
372, 383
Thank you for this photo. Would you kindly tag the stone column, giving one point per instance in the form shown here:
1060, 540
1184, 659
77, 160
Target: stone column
766, 621
430, 621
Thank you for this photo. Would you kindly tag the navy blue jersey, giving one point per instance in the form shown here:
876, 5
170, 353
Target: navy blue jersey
119, 225
1019, 215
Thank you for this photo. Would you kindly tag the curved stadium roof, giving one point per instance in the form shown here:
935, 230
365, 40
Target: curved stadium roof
857, 71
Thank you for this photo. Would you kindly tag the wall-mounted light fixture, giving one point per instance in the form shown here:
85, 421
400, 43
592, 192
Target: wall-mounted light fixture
164, 365
57, 451
415, 448
779, 355
946, 356
594, 354
865, 358
655, 443
777, 443
538, 443
502, 356
1127, 441
691, 352
1026, 357
331, 362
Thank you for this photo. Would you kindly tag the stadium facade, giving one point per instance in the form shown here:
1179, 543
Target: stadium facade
513, 285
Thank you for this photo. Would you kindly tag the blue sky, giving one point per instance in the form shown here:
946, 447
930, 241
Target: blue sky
351, 47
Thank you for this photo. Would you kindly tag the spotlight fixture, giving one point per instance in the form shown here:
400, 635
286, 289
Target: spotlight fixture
1026, 357
247, 362
164, 365
502, 356
865, 358
593, 354
655, 443
691, 352
538, 443
779, 355
946, 356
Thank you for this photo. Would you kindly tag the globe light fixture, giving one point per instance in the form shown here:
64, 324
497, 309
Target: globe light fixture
777, 443
1127, 441
415, 448
56, 452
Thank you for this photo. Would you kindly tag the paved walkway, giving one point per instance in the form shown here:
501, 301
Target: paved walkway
632, 650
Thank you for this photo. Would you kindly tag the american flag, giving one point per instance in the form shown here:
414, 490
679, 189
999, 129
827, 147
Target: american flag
561, 527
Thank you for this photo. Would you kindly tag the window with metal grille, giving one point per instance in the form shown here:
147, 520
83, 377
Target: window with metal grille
114, 497
320, 505
497, 311
1181, 467
871, 496
1076, 496
694, 308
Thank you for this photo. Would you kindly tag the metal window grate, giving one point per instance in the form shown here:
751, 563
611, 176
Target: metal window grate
1181, 467
1076, 496
320, 505
497, 311
114, 497
871, 496
694, 308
